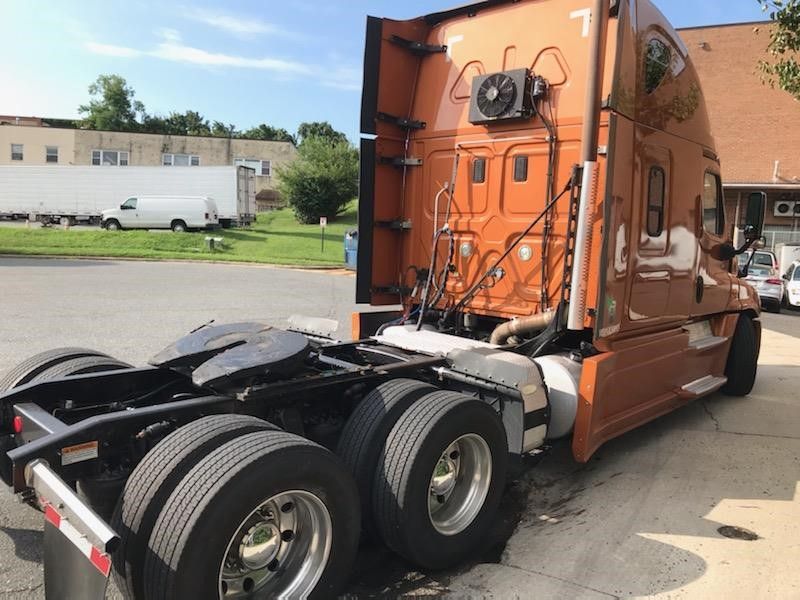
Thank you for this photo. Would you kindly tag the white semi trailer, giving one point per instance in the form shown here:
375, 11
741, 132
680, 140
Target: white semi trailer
72, 194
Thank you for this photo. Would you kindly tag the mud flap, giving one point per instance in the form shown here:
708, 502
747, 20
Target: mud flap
77, 543
68, 573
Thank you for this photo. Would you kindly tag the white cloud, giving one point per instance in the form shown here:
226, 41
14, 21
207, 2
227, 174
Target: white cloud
111, 50
181, 53
239, 26
168, 34
342, 78
337, 76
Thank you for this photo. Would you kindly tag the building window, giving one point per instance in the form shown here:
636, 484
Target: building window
51, 154
713, 209
110, 158
180, 160
16, 151
263, 168
657, 63
655, 202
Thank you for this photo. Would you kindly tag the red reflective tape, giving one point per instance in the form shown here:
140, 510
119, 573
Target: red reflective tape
101, 561
51, 515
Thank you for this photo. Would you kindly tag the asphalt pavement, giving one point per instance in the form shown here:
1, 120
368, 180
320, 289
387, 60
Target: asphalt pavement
660, 512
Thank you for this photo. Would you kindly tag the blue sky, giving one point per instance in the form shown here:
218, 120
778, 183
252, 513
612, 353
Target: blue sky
242, 62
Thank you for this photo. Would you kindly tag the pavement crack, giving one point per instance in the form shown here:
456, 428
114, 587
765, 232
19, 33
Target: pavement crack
561, 579
31, 588
711, 415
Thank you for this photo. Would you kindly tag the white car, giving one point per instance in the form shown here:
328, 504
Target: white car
762, 258
179, 213
792, 279
769, 285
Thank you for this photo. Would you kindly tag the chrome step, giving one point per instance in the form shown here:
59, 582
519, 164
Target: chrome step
707, 343
703, 386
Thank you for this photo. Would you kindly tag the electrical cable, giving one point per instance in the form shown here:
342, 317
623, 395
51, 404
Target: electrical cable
492, 270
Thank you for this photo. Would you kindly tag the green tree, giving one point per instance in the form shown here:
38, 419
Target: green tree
322, 180
220, 129
269, 133
783, 68
113, 105
320, 129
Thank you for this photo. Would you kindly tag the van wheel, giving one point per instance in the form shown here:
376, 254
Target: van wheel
178, 226
155, 478
742, 362
28, 369
364, 435
268, 515
440, 482
112, 225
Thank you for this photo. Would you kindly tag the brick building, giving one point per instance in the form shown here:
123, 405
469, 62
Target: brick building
757, 128
30, 141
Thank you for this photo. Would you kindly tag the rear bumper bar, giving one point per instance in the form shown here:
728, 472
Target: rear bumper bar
77, 542
52, 491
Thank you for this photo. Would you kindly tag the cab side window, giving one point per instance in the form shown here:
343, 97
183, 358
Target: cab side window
713, 209
130, 203
655, 201
658, 59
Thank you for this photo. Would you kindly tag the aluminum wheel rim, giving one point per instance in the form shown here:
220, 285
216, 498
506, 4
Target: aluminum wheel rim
279, 550
459, 484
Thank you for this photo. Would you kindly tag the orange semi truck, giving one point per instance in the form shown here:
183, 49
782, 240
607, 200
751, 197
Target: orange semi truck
541, 197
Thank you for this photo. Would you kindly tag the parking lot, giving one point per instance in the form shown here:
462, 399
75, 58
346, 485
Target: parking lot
660, 512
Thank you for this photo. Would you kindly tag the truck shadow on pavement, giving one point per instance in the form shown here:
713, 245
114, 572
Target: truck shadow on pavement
651, 512
27, 543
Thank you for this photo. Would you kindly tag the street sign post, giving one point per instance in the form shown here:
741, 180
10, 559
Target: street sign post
323, 223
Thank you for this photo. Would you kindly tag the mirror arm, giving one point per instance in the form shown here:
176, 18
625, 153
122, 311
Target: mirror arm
745, 247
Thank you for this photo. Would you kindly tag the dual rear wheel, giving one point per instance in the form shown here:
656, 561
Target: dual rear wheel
430, 469
230, 507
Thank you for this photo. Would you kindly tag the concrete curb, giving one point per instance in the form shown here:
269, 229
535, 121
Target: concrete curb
309, 268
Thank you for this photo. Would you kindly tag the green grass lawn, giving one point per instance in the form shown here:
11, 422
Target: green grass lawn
276, 238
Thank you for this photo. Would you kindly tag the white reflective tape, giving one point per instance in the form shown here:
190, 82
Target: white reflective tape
586, 15
99, 559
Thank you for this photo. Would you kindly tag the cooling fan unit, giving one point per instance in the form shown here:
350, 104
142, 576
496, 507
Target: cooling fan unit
500, 97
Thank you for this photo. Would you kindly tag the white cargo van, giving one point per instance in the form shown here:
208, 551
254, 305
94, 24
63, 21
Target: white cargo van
179, 213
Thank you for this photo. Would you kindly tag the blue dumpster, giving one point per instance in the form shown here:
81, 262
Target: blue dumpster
351, 249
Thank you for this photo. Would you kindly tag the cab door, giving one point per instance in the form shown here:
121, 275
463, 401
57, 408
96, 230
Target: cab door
712, 292
129, 213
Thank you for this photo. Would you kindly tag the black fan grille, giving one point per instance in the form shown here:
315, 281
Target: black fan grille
496, 95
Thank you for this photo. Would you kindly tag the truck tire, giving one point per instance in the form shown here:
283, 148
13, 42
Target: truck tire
742, 362
31, 367
112, 225
178, 226
364, 435
269, 513
441, 479
80, 366
155, 478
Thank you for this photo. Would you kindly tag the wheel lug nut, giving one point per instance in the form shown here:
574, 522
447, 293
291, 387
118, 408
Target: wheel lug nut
273, 565
287, 536
454, 454
440, 499
288, 507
